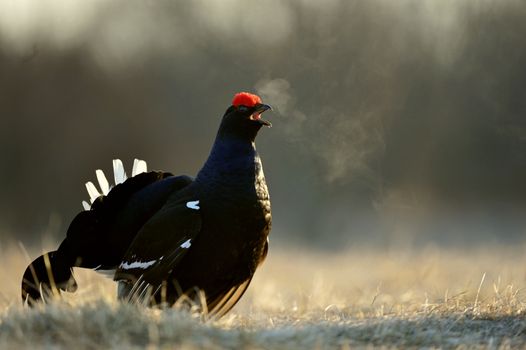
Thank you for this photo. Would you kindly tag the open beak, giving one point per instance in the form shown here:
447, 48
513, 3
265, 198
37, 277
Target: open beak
258, 110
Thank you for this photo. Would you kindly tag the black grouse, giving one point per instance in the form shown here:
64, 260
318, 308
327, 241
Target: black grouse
163, 236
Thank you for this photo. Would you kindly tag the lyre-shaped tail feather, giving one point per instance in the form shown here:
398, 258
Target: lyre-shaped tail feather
47, 275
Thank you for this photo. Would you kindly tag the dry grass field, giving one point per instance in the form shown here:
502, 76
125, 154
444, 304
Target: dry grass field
430, 298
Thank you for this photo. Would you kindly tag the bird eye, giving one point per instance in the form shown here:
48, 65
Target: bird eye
243, 108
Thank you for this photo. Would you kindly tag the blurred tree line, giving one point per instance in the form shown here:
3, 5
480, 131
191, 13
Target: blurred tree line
394, 121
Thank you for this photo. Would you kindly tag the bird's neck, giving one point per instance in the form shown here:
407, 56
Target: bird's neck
230, 156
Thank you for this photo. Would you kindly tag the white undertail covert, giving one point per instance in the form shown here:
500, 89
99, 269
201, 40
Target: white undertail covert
119, 175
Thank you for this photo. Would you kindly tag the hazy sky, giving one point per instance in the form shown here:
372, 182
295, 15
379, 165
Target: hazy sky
395, 121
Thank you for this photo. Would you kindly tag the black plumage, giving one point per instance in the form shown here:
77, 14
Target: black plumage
166, 236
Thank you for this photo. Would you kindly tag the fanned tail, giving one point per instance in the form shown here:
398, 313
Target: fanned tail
51, 273
119, 175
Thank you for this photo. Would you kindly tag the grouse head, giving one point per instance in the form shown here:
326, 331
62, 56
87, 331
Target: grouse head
243, 118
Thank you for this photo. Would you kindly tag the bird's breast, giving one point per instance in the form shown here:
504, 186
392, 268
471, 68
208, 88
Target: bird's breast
236, 212
234, 205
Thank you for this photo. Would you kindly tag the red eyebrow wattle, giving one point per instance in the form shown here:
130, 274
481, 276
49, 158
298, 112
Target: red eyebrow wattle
245, 99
